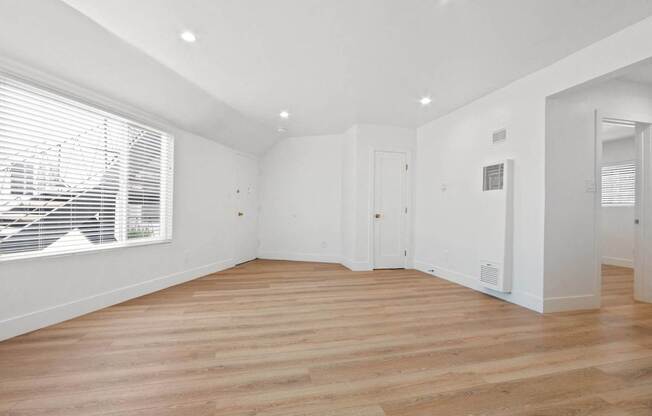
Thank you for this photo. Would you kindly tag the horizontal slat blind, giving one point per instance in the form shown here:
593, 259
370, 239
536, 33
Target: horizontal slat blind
619, 185
76, 178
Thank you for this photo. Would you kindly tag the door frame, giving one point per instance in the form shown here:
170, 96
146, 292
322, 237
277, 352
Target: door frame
643, 230
236, 201
407, 201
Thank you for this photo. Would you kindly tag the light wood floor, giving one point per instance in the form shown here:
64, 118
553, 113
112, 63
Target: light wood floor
282, 338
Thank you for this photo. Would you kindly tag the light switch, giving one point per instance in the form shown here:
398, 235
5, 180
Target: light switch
589, 186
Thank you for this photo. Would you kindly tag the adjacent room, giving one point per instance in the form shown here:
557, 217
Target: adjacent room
325, 207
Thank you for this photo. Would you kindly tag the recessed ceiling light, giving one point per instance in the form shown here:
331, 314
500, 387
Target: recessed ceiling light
284, 114
188, 36
425, 100
282, 130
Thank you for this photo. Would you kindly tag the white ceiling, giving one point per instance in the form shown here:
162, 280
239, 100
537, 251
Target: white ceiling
640, 72
332, 63
54, 43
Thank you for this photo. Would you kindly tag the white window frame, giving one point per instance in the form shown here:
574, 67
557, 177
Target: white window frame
166, 180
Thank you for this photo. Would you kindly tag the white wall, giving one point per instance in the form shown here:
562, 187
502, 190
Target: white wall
452, 148
370, 138
571, 245
301, 192
348, 209
317, 195
43, 291
451, 154
617, 223
102, 69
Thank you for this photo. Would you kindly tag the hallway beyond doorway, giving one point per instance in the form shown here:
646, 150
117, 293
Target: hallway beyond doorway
617, 286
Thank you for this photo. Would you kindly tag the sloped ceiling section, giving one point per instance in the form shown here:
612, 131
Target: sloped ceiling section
60, 41
332, 63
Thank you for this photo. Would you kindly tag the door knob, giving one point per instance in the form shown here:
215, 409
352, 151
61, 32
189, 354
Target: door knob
240, 214
377, 215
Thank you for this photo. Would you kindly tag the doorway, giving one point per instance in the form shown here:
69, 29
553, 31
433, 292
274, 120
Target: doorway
623, 150
390, 210
246, 208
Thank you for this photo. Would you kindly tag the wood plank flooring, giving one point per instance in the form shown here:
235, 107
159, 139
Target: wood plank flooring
286, 338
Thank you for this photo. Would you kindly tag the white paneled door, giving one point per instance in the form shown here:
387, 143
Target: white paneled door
390, 210
246, 204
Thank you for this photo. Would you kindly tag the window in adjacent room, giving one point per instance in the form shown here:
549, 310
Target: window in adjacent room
619, 184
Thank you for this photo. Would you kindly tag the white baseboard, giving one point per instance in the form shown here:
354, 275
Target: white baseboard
617, 261
570, 303
357, 266
45, 317
321, 258
526, 300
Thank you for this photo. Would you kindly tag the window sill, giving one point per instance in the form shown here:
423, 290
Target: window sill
108, 247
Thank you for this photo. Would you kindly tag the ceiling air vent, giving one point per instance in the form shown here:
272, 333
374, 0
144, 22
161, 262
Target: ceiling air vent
499, 136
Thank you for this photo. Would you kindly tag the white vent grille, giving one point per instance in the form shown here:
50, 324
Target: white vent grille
499, 136
493, 177
489, 274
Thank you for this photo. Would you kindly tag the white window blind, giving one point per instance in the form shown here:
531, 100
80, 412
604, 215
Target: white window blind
619, 184
75, 178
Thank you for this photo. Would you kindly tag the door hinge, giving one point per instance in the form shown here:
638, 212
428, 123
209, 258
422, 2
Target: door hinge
406, 166
405, 253
406, 210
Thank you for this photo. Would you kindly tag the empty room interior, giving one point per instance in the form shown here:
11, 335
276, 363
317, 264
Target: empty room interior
326, 207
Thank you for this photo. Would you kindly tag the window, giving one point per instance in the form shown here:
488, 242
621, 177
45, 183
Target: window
619, 184
75, 178
22, 178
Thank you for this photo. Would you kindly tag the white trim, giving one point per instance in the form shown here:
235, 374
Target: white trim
357, 266
571, 303
643, 143
524, 299
32, 321
643, 241
598, 118
617, 261
314, 257
77, 252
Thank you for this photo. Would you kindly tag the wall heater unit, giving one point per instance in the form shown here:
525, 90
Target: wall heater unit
496, 233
